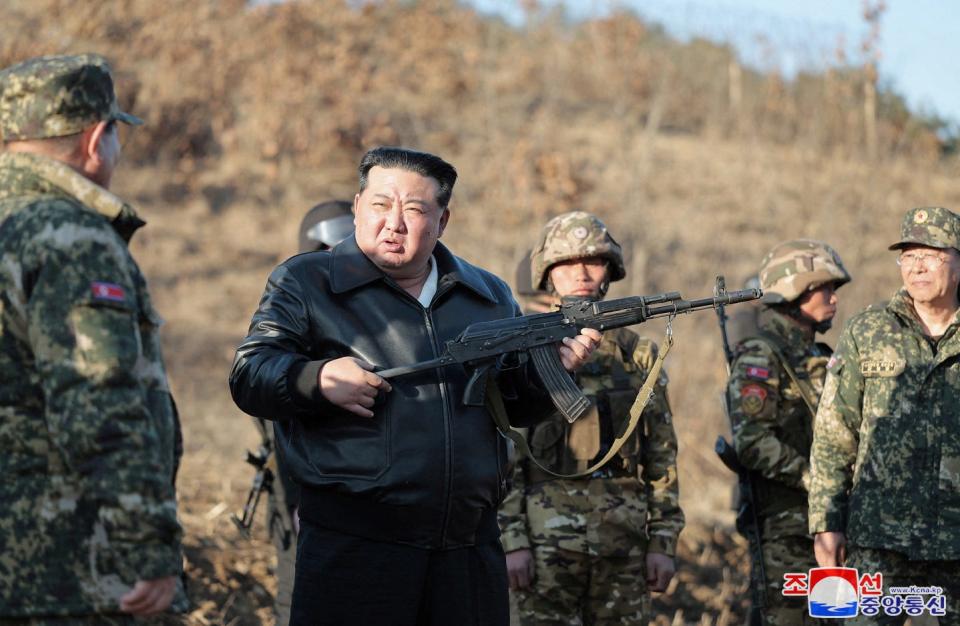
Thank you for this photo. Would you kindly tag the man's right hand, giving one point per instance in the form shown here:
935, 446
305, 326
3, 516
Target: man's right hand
149, 596
520, 568
830, 548
351, 384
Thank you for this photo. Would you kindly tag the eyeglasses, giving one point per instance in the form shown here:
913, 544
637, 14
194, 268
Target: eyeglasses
909, 260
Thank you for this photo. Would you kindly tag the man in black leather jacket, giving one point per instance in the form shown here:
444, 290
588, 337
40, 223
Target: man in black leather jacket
400, 482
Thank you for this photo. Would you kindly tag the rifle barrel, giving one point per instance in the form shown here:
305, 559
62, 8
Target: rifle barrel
416, 367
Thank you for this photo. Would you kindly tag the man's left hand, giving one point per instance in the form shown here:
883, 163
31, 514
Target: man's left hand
660, 569
575, 352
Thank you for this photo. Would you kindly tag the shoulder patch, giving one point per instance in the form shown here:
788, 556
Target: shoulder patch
752, 398
755, 371
835, 361
110, 292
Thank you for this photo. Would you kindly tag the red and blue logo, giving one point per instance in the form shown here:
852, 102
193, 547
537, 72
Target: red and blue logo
834, 592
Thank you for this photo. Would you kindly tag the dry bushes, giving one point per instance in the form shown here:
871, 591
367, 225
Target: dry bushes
257, 112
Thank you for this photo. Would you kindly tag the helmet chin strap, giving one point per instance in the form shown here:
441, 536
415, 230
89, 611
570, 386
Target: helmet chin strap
604, 287
796, 313
824, 326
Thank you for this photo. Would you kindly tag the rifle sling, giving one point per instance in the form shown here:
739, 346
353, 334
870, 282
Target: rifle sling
499, 413
806, 392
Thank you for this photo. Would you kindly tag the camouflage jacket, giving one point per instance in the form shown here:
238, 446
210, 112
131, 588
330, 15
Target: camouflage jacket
88, 430
634, 507
772, 426
886, 449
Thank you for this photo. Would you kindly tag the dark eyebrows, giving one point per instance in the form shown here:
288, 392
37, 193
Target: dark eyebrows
389, 197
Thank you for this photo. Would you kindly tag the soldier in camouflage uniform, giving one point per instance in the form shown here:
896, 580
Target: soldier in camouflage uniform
589, 551
775, 383
885, 465
90, 439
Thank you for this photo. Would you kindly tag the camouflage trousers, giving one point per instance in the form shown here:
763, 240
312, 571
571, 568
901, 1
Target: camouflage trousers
571, 588
781, 555
899, 571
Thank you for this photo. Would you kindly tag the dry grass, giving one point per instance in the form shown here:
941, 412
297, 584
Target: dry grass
256, 114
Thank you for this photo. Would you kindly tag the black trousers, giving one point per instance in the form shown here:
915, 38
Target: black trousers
346, 580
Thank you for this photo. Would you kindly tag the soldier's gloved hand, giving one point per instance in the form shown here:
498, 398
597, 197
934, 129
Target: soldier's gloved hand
520, 568
660, 570
351, 384
149, 596
575, 352
830, 548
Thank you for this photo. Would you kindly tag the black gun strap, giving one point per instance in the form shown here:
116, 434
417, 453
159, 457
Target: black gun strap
499, 413
809, 396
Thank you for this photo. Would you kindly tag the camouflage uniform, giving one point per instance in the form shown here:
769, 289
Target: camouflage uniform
89, 436
886, 450
772, 424
590, 536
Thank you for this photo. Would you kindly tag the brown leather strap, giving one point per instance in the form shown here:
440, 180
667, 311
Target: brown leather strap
499, 413
810, 397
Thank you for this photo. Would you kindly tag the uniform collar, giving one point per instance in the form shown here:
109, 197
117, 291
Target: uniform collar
350, 269
901, 305
66, 180
796, 337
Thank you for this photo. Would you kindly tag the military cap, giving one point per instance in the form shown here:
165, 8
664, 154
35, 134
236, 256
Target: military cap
55, 96
326, 225
935, 227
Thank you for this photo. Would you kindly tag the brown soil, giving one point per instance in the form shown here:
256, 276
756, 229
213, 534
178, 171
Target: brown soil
255, 114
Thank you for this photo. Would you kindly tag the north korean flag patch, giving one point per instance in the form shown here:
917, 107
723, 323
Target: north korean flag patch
760, 373
110, 292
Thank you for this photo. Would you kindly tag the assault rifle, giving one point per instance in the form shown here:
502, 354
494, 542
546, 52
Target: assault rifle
748, 522
264, 460
481, 345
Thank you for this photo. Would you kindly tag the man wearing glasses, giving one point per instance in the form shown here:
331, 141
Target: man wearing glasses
885, 492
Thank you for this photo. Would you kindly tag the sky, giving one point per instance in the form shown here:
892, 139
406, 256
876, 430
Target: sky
919, 39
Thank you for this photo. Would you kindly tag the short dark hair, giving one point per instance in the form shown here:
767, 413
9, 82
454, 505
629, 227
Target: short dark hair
422, 163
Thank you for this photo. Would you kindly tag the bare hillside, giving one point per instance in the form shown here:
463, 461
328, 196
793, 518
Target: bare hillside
255, 114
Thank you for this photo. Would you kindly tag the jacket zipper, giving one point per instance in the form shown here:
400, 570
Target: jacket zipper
447, 427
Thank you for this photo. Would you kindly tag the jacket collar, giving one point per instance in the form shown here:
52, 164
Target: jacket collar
52, 175
797, 338
901, 305
350, 269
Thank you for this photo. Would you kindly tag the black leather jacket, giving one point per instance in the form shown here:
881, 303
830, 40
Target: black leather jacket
426, 470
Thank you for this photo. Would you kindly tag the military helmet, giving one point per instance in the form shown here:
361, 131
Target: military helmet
326, 225
522, 282
574, 235
796, 266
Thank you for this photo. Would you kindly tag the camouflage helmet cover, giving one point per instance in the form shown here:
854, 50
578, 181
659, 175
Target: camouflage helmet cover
55, 96
574, 235
796, 266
